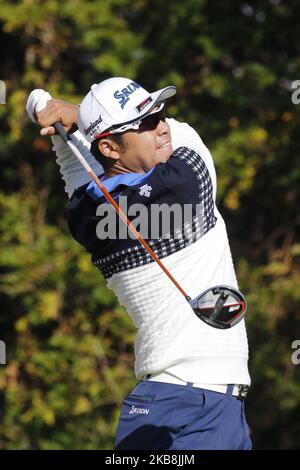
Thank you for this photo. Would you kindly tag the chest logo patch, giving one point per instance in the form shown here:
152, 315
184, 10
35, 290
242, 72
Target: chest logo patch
145, 190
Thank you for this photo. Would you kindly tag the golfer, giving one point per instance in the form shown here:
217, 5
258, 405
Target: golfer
192, 378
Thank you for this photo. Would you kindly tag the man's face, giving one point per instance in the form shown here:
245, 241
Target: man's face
145, 148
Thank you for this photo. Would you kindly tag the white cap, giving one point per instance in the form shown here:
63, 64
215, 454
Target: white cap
115, 105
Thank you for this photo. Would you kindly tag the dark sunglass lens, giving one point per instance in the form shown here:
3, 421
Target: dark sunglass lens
151, 122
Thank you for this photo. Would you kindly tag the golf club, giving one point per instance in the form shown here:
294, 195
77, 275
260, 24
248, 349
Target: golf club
220, 306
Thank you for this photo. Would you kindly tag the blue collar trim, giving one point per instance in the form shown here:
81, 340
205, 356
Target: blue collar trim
128, 179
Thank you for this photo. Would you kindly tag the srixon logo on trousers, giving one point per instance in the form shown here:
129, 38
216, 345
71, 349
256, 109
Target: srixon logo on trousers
138, 411
123, 96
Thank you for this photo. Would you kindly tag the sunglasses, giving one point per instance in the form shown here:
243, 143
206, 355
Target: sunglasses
149, 123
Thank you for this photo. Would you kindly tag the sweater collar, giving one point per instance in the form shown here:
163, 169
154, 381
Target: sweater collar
128, 179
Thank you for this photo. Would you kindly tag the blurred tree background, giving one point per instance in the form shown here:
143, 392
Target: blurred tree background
69, 343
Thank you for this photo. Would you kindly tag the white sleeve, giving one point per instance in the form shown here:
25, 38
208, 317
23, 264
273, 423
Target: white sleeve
71, 169
184, 135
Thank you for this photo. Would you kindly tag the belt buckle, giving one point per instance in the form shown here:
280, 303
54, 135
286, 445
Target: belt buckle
243, 391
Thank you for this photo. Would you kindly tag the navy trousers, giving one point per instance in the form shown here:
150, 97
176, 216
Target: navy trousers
162, 416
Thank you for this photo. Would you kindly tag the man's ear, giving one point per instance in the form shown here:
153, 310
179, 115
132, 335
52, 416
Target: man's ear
109, 148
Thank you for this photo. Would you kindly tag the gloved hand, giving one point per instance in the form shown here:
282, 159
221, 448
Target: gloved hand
36, 102
41, 108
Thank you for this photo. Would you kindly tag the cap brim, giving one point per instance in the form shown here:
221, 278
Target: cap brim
158, 97
163, 94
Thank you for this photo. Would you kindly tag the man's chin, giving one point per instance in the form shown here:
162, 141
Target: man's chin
164, 153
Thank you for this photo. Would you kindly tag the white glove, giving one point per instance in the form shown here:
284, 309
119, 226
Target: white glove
36, 102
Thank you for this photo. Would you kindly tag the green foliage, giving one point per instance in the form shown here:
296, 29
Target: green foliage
69, 344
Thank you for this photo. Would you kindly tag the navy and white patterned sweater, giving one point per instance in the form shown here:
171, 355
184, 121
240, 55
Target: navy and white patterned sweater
184, 180
170, 337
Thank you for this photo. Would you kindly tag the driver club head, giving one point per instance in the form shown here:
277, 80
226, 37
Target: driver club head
221, 306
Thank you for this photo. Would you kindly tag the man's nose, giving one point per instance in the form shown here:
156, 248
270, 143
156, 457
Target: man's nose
162, 128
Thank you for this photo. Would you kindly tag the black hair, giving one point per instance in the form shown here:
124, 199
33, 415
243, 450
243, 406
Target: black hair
106, 162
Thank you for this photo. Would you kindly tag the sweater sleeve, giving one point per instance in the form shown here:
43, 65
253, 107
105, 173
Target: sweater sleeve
71, 170
184, 135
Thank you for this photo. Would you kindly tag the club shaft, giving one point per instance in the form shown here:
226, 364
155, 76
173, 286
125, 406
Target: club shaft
68, 140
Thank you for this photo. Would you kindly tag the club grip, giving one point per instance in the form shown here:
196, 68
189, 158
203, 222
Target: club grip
61, 131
